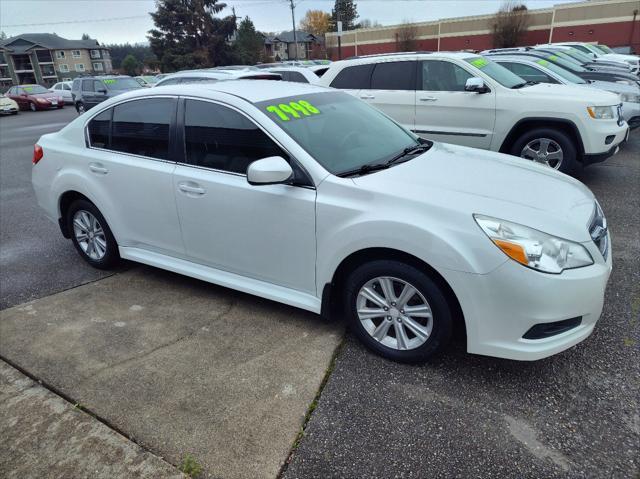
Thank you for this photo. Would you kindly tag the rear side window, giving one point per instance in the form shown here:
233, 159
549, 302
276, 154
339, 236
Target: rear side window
354, 78
394, 76
141, 127
87, 85
99, 128
297, 77
220, 138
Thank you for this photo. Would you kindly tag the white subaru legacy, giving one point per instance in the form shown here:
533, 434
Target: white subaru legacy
311, 197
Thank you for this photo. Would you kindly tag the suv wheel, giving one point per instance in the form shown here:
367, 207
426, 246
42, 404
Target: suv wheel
549, 147
91, 235
80, 107
397, 311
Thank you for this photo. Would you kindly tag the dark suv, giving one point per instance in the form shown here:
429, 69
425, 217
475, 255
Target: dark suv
87, 92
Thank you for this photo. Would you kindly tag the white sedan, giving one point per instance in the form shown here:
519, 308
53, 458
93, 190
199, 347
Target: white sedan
311, 197
63, 88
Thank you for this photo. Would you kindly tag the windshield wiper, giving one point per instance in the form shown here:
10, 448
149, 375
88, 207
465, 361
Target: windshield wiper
523, 84
411, 150
364, 169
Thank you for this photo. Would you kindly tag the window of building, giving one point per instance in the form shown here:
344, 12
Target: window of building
79, 67
141, 127
3, 60
95, 53
75, 53
60, 54
44, 56
64, 67
220, 138
97, 66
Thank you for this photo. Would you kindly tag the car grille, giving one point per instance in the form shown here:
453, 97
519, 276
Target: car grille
598, 230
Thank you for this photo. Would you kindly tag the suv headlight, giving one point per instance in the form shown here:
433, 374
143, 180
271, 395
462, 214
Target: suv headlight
533, 248
602, 112
629, 97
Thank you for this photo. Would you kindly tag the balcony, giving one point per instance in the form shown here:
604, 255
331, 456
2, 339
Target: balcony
22, 63
4, 72
44, 56
48, 70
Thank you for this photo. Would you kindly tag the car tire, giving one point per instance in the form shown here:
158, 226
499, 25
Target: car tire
400, 340
535, 140
33, 107
14, 112
91, 235
80, 107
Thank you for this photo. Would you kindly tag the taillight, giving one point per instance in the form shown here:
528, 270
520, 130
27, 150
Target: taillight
38, 153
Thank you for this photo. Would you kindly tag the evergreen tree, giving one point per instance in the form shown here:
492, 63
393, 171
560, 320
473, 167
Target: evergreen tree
85, 36
130, 65
347, 12
249, 43
189, 35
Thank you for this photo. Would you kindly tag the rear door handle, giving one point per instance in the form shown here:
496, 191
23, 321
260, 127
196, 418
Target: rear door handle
428, 98
367, 97
98, 168
192, 189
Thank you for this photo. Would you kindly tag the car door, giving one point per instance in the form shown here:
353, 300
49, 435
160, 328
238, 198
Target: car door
262, 232
130, 168
353, 79
88, 93
446, 112
393, 90
100, 92
17, 95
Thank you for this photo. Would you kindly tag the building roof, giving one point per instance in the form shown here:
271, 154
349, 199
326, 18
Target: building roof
287, 37
25, 42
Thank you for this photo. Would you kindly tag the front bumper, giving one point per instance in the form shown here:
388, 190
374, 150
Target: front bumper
8, 110
502, 306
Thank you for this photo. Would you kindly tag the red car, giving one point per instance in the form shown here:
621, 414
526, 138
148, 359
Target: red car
35, 97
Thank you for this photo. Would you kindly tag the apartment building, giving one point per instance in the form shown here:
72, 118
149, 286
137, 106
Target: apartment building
46, 58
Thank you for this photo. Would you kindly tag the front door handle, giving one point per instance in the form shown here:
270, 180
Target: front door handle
98, 168
191, 189
428, 98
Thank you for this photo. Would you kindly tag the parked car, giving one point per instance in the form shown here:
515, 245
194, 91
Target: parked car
601, 51
319, 69
34, 97
295, 74
310, 197
542, 71
8, 106
214, 75
146, 81
88, 91
63, 88
469, 100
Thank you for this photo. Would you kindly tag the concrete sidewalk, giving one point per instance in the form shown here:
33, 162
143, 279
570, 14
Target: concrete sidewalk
182, 366
46, 437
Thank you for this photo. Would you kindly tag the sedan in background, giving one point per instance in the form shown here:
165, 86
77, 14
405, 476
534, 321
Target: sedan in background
35, 97
214, 75
146, 81
296, 74
8, 106
63, 89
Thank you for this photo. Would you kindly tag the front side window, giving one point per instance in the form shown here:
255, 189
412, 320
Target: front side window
354, 78
220, 138
99, 86
360, 134
495, 71
99, 128
438, 75
141, 127
394, 76
57, 86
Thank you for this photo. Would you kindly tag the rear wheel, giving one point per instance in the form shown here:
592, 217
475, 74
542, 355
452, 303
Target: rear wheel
552, 148
398, 311
91, 235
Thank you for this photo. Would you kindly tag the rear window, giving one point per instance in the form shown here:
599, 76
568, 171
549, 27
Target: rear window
354, 78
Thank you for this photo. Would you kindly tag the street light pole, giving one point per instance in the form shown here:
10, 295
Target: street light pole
295, 37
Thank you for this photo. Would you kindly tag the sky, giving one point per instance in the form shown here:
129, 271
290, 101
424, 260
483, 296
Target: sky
122, 21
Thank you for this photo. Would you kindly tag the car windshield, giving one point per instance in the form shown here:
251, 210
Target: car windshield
34, 89
499, 73
566, 74
603, 48
578, 55
569, 65
341, 132
121, 83
149, 79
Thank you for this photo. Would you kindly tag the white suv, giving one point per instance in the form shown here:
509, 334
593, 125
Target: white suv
469, 100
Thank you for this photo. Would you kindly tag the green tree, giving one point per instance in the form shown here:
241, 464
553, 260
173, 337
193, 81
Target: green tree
345, 11
3, 36
85, 36
120, 50
249, 44
130, 65
188, 34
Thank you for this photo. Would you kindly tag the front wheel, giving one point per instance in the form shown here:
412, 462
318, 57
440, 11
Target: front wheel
398, 311
91, 235
80, 107
33, 107
549, 147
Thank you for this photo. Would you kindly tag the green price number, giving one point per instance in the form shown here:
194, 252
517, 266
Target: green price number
553, 57
479, 62
109, 81
544, 63
28, 88
295, 109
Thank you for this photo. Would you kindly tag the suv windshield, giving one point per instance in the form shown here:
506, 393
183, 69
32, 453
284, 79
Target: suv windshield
603, 48
569, 65
497, 72
566, 74
341, 132
578, 55
34, 89
121, 83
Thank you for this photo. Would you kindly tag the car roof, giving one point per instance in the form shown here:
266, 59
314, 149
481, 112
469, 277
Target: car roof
253, 91
405, 55
215, 74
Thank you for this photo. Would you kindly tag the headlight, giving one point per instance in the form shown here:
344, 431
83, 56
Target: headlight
41, 100
533, 248
602, 112
629, 97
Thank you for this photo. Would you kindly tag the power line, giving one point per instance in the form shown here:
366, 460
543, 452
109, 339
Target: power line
74, 21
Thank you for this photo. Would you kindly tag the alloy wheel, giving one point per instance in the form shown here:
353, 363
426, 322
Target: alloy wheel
545, 151
89, 235
394, 313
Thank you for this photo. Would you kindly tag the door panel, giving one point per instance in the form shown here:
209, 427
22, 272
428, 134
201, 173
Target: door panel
447, 113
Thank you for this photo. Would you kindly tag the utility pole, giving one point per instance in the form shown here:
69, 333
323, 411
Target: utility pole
295, 37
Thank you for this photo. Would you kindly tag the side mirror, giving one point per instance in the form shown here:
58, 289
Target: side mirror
476, 84
269, 171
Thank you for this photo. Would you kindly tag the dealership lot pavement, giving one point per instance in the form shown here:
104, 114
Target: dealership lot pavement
181, 366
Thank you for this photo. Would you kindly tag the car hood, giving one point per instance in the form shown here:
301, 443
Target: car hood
571, 92
472, 181
619, 57
614, 87
45, 95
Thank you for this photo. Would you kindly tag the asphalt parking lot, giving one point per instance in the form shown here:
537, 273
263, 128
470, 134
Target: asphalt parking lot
141, 349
